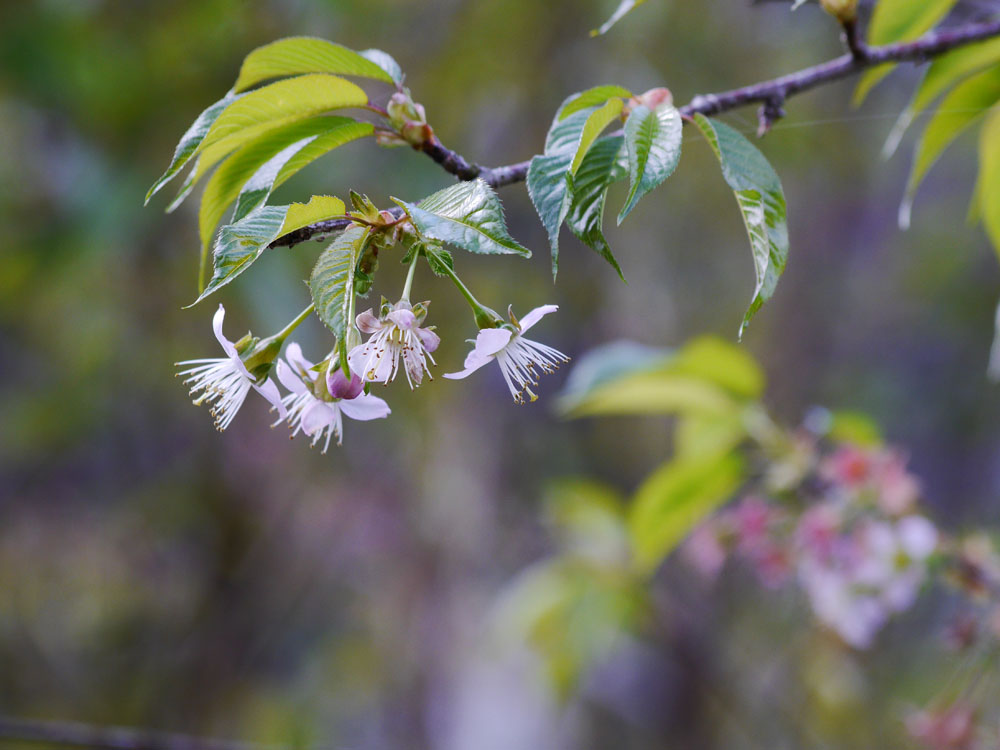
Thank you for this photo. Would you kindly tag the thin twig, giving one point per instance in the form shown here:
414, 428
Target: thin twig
772, 94
74, 734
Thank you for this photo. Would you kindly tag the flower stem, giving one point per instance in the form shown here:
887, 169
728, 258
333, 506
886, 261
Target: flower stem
485, 317
286, 331
409, 278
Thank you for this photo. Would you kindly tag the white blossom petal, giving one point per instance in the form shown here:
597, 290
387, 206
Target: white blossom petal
535, 315
492, 340
365, 407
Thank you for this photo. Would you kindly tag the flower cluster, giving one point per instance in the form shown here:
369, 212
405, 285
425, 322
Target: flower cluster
859, 550
321, 395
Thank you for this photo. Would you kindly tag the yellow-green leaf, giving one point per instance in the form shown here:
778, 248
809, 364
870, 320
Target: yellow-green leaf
598, 120
304, 54
280, 103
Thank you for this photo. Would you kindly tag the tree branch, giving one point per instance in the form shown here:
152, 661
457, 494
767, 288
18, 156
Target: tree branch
772, 94
111, 738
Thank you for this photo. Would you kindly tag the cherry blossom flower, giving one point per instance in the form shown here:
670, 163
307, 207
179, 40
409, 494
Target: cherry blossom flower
859, 579
517, 356
316, 407
396, 333
224, 382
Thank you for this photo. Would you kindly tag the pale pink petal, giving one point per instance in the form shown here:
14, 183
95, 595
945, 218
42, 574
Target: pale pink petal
289, 379
472, 363
404, 319
367, 322
365, 407
293, 353
535, 315
492, 340
270, 391
318, 416
429, 339
917, 536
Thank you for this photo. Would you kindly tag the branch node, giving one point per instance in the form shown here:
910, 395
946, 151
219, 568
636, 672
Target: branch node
771, 111
853, 41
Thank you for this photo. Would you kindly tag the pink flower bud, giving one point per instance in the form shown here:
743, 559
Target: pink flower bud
339, 387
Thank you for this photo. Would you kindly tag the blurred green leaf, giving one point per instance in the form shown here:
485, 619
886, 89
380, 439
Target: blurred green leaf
571, 612
600, 168
624, 7
239, 245
304, 54
708, 434
988, 184
672, 501
708, 376
591, 98
856, 428
653, 140
191, 141
898, 21
944, 72
468, 215
332, 279
588, 519
966, 103
762, 204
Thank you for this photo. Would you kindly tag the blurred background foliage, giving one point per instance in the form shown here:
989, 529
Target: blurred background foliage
157, 574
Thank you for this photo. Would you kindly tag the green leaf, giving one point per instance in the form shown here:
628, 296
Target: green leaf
290, 160
653, 140
625, 6
332, 279
468, 215
385, 61
898, 21
304, 54
966, 103
548, 175
260, 166
942, 74
549, 192
674, 499
591, 98
761, 201
191, 141
590, 190
989, 178
439, 259
239, 245
278, 104
597, 121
